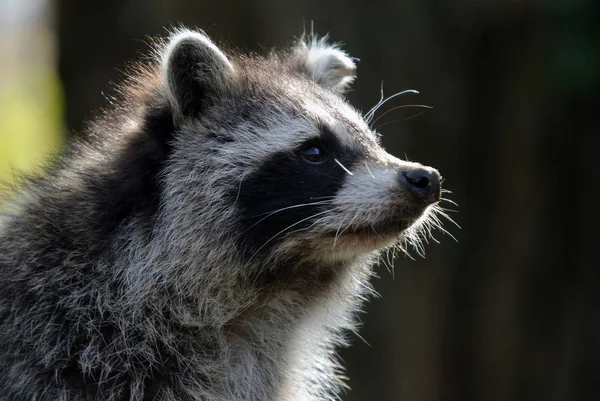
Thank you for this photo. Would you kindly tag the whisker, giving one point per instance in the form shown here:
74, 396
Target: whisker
284, 230
449, 201
374, 108
361, 337
384, 124
337, 233
423, 106
292, 232
429, 225
342, 166
371, 113
394, 249
417, 244
390, 263
404, 249
438, 225
269, 214
351, 221
321, 202
369, 170
397, 121
447, 210
447, 217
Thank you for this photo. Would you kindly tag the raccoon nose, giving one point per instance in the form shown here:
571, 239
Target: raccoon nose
423, 183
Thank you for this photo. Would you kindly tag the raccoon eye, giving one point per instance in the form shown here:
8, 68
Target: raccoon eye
313, 154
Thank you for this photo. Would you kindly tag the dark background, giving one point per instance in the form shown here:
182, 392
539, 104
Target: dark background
510, 312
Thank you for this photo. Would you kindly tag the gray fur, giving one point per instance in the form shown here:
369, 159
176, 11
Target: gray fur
125, 273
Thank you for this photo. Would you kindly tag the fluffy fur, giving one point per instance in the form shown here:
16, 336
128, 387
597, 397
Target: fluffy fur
212, 240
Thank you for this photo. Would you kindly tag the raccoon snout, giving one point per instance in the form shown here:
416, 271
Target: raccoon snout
423, 183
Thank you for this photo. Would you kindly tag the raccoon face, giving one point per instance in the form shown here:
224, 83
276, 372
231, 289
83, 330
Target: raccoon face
290, 167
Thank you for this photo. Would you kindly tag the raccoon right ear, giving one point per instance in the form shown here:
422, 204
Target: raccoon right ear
325, 63
194, 70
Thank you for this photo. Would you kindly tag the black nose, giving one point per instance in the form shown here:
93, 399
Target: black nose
423, 183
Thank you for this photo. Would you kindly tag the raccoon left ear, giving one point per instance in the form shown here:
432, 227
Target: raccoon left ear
327, 64
194, 69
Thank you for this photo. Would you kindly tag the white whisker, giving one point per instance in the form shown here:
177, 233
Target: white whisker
342, 166
443, 230
449, 201
269, 214
351, 221
440, 212
337, 233
369, 170
284, 230
371, 113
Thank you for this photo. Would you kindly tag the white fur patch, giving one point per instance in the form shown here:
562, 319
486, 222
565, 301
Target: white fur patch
328, 64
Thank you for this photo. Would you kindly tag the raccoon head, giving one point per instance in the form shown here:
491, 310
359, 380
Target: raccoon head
271, 163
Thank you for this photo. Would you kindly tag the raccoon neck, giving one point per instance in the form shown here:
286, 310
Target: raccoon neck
274, 336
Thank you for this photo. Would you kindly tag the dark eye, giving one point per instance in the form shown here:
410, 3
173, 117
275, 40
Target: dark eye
313, 154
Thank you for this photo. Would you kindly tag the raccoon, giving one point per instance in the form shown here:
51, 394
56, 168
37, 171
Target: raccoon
211, 239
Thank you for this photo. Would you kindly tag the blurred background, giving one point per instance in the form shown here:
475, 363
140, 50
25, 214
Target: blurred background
511, 310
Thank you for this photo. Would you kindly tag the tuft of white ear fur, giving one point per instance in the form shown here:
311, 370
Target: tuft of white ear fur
326, 63
192, 67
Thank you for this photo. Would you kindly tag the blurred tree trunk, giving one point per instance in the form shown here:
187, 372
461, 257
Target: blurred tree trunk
96, 39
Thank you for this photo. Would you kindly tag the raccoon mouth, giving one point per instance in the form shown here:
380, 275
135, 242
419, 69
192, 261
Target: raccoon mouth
380, 230
387, 229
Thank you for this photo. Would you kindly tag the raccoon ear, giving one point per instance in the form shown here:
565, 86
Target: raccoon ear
193, 69
326, 63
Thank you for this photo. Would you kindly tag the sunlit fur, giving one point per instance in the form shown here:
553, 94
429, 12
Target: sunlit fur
185, 252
